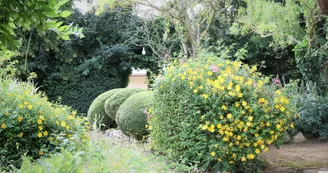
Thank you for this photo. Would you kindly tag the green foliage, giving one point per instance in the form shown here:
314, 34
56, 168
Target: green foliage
102, 157
32, 126
114, 102
313, 110
312, 63
78, 70
25, 15
96, 112
272, 18
131, 118
225, 112
64, 162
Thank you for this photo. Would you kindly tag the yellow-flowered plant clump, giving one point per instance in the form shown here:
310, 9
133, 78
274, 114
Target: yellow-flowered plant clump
31, 125
217, 113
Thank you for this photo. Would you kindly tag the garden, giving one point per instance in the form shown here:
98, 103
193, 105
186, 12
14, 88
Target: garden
233, 86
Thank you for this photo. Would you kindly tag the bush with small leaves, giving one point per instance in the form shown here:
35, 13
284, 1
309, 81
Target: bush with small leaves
217, 114
32, 126
97, 114
114, 102
131, 116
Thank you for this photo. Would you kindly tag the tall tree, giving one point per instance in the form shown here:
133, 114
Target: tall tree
192, 19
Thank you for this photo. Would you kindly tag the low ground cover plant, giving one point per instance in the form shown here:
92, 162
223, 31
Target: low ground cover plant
217, 114
30, 125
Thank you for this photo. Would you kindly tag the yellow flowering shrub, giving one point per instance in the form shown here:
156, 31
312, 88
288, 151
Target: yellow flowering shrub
32, 126
217, 114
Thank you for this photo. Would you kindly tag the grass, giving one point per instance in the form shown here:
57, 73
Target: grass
104, 156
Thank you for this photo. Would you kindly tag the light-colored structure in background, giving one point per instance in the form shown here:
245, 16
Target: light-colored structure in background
138, 79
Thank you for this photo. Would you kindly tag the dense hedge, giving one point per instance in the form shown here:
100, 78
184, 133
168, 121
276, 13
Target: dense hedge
131, 116
114, 102
76, 71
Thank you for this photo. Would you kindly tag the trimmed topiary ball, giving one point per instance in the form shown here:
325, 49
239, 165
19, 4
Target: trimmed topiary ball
97, 112
114, 102
130, 116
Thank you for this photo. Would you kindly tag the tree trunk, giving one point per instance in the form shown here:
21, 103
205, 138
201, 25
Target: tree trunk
323, 6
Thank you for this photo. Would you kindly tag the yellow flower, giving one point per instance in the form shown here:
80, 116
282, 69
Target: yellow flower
292, 125
63, 123
205, 96
20, 134
278, 126
70, 117
195, 90
240, 95
282, 109
243, 159
248, 124
250, 118
25, 103
251, 156
19, 118
29, 107
39, 121
257, 151
40, 134
211, 128
45, 133
20, 106
238, 137
41, 117
40, 127
204, 127
266, 149
229, 116
212, 153
209, 73
41, 153
3, 126
219, 126
268, 124
230, 162
237, 87
69, 136
224, 107
244, 103
67, 127
226, 139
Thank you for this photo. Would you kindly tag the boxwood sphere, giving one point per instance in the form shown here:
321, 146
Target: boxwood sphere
97, 112
130, 116
114, 102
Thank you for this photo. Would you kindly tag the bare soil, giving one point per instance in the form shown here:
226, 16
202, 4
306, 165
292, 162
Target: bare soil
296, 157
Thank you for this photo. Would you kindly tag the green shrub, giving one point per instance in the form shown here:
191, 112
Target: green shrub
313, 110
114, 102
96, 112
217, 114
131, 117
32, 126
